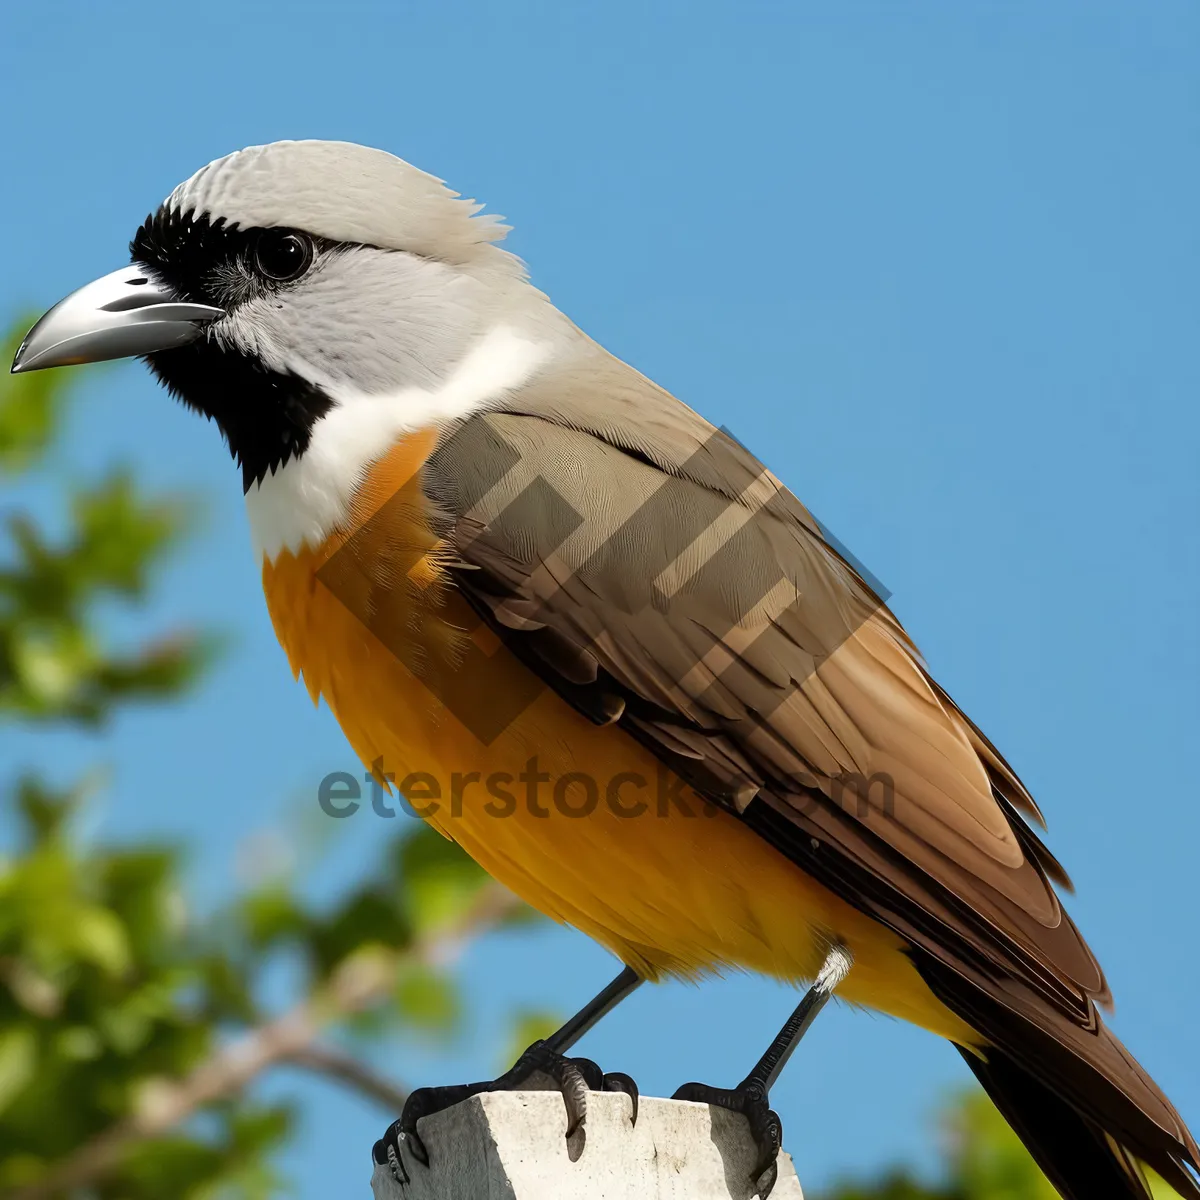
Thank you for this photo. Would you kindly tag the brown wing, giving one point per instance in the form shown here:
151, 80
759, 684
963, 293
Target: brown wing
646, 565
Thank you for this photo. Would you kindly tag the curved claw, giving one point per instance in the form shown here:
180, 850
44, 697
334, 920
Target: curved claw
386, 1152
767, 1131
618, 1081
766, 1181
593, 1076
418, 1104
749, 1099
417, 1147
574, 1093
422, 1103
703, 1093
575, 1077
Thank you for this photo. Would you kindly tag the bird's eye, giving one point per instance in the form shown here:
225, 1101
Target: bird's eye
282, 256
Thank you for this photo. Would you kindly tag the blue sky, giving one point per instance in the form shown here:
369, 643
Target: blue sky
938, 264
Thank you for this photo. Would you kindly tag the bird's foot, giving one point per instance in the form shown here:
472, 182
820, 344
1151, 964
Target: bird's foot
574, 1078
750, 1099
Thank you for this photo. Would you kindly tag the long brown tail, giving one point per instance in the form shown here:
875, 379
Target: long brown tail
1077, 1156
1083, 1106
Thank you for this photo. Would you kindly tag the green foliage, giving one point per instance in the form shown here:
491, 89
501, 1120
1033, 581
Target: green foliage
30, 408
103, 995
234, 1161
55, 663
116, 1000
987, 1158
428, 999
984, 1161
441, 881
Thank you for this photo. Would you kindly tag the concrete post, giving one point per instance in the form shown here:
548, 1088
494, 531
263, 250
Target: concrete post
511, 1145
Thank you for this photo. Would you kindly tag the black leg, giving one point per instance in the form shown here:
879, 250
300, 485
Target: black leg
751, 1097
574, 1077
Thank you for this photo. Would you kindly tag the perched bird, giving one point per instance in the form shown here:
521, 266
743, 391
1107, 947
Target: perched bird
599, 645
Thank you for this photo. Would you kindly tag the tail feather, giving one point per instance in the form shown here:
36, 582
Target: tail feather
1077, 1156
1084, 1108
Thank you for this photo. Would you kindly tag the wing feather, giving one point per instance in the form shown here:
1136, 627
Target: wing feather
795, 695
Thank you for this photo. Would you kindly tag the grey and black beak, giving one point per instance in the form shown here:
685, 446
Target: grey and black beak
118, 316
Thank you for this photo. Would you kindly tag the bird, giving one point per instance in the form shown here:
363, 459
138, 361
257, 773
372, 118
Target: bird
594, 641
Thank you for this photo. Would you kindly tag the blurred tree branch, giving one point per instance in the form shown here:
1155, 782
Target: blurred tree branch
337, 1064
363, 980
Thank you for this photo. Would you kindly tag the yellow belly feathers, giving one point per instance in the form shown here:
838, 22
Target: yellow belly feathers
668, 891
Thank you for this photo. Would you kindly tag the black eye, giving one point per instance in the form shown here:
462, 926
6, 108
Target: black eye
281, 255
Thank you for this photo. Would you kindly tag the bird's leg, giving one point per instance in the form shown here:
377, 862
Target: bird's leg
751, 1097
574, 1077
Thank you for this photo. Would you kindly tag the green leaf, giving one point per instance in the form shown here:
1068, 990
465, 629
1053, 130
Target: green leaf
45, 810
18, 1059
79, 1043
439, 882
119, 536
370, 915
30, 405
271, 915
987, 1156
100, 938
429, 1000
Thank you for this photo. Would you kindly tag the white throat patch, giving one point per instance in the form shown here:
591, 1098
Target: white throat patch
301, 502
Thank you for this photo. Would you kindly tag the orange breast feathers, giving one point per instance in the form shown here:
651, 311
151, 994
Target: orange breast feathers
578, 819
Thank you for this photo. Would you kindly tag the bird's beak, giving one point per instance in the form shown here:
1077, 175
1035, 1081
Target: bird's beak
120, 315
